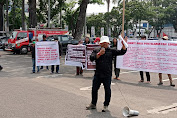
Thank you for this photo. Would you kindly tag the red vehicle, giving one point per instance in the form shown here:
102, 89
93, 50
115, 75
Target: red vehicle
19, 40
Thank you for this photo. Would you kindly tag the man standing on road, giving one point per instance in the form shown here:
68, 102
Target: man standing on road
59, 48
141, 72
103, 74
44, 39
169, 75
33, 57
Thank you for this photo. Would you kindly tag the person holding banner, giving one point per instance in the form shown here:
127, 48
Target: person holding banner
59, 48
103, 73
143, 37
44, 39
169, 75
114, 45
79, 70
33, 58
97, 40
87, 41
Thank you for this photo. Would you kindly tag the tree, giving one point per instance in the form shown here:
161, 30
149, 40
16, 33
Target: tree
55, 7
98, 21
23, 14
32, 14
2, 2
16, 19
81, 19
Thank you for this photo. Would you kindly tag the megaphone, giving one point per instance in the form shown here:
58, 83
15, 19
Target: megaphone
128, 112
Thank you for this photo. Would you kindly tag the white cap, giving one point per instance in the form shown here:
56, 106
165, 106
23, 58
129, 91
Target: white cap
104, 39
165, 37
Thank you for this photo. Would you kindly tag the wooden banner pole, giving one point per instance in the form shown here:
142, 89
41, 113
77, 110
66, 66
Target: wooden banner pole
123, 18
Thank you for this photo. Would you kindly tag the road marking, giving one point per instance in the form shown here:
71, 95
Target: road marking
49, 76
90, 87
128, 72
163, 109
168, 79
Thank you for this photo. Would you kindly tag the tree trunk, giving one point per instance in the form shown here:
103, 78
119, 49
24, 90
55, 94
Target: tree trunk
7, 15
32, 14
1, 17
81, 19
23, 15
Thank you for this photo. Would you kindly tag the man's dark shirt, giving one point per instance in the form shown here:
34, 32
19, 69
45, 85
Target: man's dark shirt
104, 62
33, 52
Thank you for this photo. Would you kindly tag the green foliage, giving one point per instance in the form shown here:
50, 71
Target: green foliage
15, 19
55, 7
98, 21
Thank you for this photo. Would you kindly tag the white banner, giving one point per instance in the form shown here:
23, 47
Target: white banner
150, 56
76, 56
47, 53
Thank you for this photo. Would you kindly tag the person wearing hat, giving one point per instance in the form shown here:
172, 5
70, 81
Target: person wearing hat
33, 57
59, 48
169, 75
103, 57
143, 37
97, 40
44, 39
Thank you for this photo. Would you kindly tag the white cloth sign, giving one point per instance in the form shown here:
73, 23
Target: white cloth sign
150, 56
76, 56
47, 53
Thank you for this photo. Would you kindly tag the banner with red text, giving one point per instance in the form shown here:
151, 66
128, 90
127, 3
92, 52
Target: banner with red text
89, 49
151, 56
76, 56
47, 53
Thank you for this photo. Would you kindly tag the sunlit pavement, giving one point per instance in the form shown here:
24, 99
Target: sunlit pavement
64, 95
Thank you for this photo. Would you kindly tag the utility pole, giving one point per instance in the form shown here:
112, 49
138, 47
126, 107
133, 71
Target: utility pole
48, 13
123, 17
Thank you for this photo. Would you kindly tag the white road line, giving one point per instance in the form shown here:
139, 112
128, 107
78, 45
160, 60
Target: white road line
128, 72
168, 79
90, 87
48, 76
163, 109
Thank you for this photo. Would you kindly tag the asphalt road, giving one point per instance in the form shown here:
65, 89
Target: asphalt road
64, 95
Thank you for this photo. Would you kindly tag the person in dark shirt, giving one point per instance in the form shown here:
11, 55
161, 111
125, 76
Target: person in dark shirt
87, 41
116, 70
44, 39
103, 73
143, 37
57, 66
33, 57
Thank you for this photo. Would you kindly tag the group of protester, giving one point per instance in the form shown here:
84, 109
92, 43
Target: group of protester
103, 57
160, 74
33, 56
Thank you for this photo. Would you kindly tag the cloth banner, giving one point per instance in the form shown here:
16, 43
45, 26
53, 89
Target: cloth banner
150, 56
76, 56
89, 49
47, 53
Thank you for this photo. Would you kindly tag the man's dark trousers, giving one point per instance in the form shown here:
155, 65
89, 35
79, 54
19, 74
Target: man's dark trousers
107, 87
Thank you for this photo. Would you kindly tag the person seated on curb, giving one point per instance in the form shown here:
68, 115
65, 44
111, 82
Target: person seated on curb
103, 73
169, 75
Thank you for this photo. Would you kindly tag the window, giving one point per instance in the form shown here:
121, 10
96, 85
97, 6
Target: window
65, 38
22, 35
13, 35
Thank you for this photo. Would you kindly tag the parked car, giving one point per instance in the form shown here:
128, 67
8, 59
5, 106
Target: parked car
3, 42
64, 40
